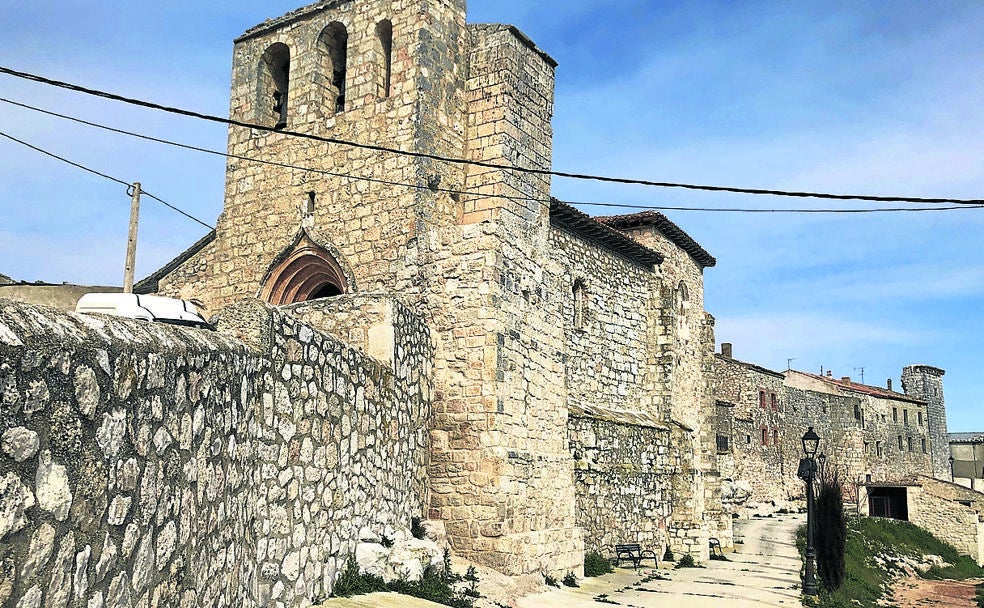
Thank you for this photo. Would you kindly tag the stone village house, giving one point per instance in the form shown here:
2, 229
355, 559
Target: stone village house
870, 433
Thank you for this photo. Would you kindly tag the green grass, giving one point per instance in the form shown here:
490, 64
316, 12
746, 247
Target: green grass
865, 581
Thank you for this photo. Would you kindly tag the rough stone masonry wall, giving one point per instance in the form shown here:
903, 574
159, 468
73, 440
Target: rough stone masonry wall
150, 465
608, 348
925, 382
757, 470
622, 471
370, 226
618, 433
948, 520
502, 473
685, 362
859, 432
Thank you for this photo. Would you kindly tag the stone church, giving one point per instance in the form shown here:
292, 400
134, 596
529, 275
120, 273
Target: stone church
571, 406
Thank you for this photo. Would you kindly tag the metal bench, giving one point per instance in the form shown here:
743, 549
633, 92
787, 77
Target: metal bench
634, 553
715, 546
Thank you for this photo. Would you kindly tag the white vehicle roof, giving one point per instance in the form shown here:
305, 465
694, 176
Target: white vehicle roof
148, 308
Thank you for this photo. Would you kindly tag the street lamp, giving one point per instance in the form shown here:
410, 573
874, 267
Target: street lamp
807, 472
951, 467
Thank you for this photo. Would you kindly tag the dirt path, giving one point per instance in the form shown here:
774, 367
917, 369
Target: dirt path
922, 593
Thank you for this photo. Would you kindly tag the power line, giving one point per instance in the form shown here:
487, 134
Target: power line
103, 175
459, 161
452, 191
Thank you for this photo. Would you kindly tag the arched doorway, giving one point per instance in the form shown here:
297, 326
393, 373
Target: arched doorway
307, 272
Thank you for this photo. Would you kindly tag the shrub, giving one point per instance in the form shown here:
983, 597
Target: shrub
687, 561
596, 564
352, 582
570, 580
830, 532
435, 586
980, 595
550, 581
668, 554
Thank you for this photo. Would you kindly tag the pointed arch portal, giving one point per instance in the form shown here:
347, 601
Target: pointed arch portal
308, 272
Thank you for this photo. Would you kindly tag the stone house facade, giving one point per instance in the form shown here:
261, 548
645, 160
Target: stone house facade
951, 512
753, 418
868, 432
557, 337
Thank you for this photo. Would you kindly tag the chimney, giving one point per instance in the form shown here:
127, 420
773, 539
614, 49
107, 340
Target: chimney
830, 374
889, 384
846, 379
726, 349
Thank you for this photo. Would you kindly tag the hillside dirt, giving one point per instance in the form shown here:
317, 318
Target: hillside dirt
915, 592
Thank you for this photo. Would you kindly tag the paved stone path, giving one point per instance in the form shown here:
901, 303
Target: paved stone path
763, 572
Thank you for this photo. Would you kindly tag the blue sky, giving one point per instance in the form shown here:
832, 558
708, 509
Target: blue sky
862, 97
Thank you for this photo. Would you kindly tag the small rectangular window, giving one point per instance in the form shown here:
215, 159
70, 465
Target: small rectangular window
857, 412
748, 439
923, 445
910, 443
867, 447
723, 443
775, 402
895, 414
920, 419
878, 448
765, 436
775, 437
905, 416
761, 398
900, 442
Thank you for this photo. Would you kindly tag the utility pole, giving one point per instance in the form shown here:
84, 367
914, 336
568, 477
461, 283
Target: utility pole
862, 373
131, 244
789, 363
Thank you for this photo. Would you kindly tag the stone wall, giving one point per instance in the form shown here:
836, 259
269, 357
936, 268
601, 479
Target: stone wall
860, 431
622, 469
63, 297
950, 512
753, 429
151, 465
501, 470
369, 208
684, 359
925, 382
610, 319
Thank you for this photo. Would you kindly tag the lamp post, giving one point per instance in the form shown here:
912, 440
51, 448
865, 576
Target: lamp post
807, 472
951, 468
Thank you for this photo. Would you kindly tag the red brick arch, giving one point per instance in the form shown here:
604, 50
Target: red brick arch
306, 273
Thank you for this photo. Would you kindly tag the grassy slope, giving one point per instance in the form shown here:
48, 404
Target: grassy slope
874, 536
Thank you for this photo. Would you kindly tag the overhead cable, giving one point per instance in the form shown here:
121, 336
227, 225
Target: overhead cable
470, 193
105, 176
478, 163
